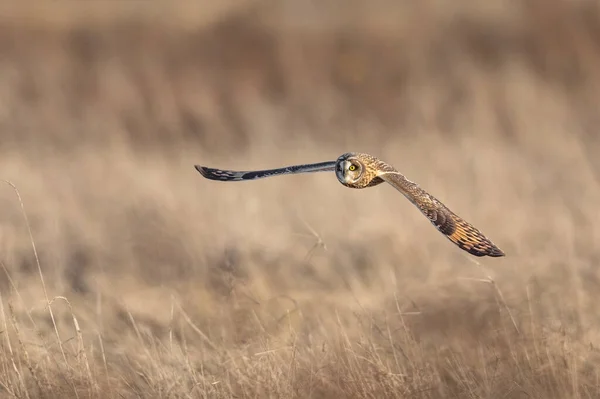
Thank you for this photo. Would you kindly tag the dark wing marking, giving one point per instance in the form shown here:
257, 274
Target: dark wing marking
455, 228
468, 238
233, 175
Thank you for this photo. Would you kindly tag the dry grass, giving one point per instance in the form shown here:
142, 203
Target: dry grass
126, 274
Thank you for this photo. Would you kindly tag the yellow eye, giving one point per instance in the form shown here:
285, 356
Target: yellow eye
352, 168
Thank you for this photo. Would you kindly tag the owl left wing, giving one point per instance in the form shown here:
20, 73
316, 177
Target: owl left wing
234, 175
455, 228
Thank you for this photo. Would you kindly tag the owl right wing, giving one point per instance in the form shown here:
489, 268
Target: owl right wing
233, 175
455, 228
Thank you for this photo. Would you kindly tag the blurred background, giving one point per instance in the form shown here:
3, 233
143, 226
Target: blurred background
169, 285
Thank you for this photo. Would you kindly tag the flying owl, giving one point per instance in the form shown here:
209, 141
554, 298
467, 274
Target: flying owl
359, 170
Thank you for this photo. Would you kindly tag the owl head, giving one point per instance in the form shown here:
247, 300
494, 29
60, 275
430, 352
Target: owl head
357, 170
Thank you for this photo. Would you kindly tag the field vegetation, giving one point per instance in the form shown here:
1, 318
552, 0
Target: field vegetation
124, 273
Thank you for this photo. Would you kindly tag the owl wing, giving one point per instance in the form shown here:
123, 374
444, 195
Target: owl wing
455, 228
233, 175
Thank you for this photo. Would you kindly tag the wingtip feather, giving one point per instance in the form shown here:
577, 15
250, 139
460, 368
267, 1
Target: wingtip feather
468, 238
493, 251
496, 252
201, 169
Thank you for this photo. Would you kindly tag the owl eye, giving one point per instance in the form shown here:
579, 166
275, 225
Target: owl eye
352, 168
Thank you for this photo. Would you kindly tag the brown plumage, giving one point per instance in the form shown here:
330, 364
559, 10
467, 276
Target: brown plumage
455, 228
359, 170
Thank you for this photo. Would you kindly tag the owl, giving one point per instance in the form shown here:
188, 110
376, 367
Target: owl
360, 170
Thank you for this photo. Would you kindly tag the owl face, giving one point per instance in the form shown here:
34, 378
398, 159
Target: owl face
349, 171
352, 171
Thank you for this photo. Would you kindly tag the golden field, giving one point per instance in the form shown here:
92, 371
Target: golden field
126, 274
